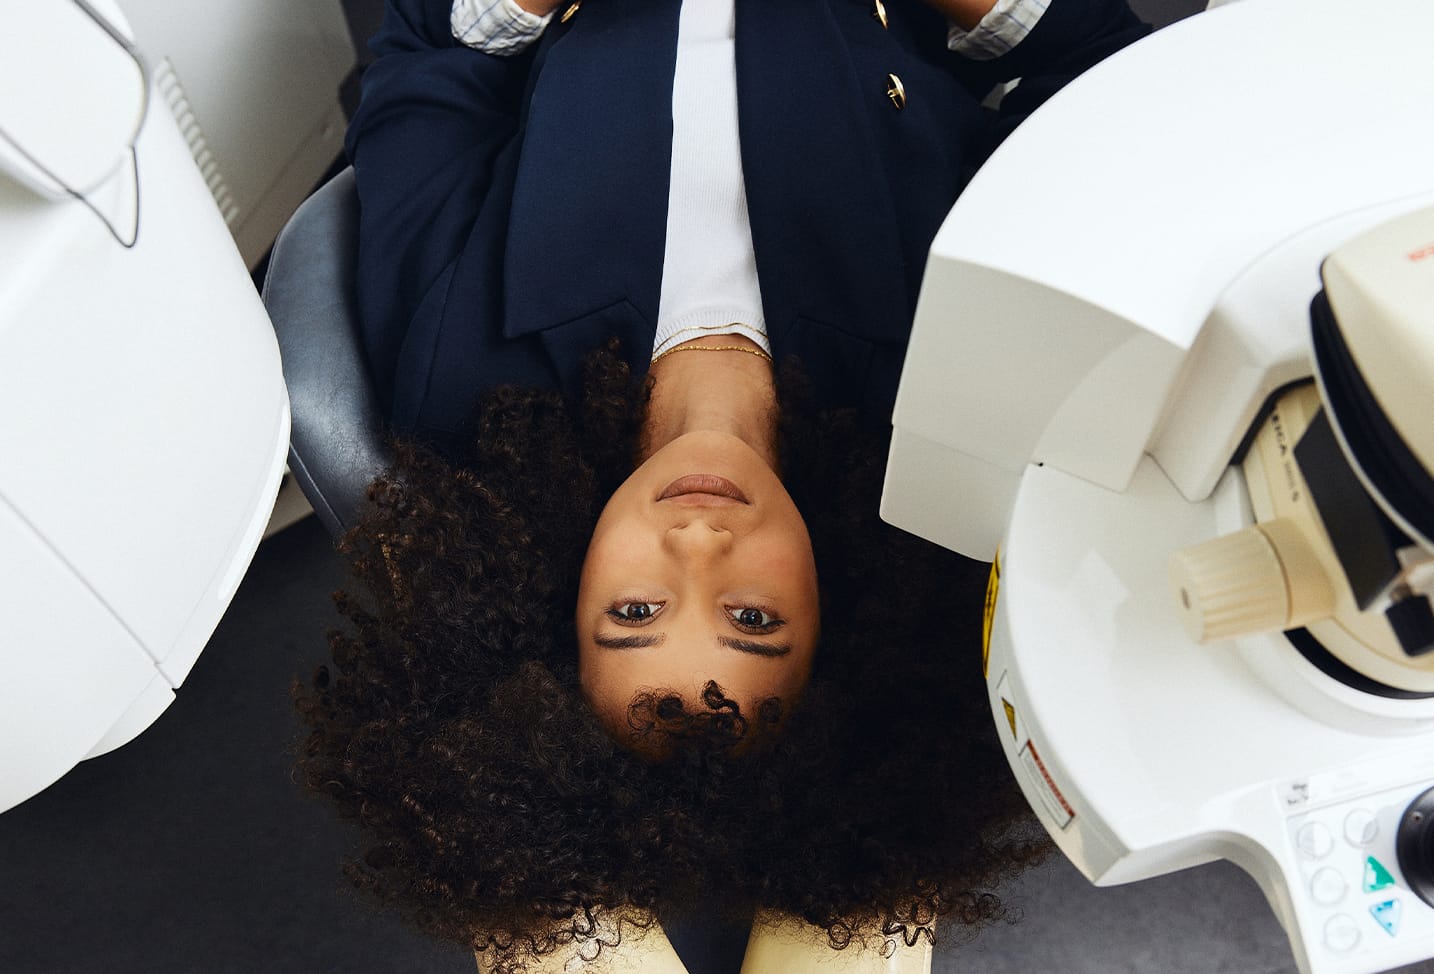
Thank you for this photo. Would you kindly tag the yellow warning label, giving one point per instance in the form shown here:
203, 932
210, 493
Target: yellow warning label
993, 586
1010, 716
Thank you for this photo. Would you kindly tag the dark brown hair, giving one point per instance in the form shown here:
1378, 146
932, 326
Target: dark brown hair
501, 815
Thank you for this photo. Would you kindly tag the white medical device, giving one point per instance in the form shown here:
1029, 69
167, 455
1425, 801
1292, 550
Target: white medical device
254, 87
143, 418
1112, 366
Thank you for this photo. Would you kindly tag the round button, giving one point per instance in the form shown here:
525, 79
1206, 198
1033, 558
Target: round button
1327, 887
1341, 933
1314, 840
1360, 827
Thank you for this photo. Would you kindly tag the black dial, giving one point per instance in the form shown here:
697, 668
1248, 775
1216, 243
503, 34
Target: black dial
1415, 846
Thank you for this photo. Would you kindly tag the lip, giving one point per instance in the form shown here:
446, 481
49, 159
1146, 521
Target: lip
704, 485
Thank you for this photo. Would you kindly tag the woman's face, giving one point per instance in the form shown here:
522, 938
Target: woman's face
700, 568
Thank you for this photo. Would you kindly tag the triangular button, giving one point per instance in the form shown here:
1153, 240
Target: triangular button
1010, 715
1387, 914
1376, 877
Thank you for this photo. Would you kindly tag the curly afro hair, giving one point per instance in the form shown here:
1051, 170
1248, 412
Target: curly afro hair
499, 812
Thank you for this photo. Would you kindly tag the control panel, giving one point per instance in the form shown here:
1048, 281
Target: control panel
1358, 899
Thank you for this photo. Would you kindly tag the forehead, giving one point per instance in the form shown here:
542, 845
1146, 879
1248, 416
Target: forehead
613, 696
685, 663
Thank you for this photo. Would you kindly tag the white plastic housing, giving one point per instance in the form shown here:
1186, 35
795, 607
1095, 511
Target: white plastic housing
1105, 311
256, 84
86, 79
1073, 277
143, 427
1143, 753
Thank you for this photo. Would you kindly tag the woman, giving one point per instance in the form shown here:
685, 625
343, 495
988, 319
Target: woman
635, 643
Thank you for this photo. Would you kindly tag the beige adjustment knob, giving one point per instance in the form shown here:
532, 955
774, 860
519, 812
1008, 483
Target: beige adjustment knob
1261, 579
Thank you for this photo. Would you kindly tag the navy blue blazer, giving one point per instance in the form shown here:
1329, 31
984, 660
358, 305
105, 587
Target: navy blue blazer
513, 210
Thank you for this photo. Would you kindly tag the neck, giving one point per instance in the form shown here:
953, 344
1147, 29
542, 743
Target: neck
722, 391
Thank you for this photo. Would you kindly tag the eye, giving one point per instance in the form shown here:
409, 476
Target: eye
751, 619
634, 613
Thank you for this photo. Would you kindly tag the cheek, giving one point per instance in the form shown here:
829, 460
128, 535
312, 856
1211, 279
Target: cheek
594, 558
783, 542
790, 559
605, 551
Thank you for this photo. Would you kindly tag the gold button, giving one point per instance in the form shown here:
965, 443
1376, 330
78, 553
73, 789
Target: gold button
879, 12
896, 91
568, 14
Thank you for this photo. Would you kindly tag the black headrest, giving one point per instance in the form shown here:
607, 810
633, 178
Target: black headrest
338, 443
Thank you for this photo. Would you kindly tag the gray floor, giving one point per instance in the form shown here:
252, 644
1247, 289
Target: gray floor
1208, 920
190, 850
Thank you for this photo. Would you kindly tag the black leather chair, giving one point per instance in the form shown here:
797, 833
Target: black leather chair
337, 445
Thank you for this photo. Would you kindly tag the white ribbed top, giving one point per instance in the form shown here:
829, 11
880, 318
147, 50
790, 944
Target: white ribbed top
709, 272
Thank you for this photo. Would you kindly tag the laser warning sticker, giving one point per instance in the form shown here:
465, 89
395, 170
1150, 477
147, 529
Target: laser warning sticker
1055, 803
993, 587
1038, 779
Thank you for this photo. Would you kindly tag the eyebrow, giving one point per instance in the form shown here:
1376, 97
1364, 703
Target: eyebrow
754, 647
749, 646
627, 642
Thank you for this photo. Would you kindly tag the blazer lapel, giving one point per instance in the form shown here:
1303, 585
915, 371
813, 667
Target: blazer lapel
589, 216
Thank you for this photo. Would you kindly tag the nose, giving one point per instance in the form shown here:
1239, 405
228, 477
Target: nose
698, 539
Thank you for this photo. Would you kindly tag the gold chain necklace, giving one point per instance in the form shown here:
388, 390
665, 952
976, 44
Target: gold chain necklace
713, 348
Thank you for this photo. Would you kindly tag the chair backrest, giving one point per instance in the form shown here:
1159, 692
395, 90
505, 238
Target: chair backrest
338, 445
